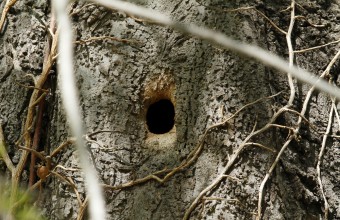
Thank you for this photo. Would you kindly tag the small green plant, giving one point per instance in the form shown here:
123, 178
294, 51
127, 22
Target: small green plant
22, 207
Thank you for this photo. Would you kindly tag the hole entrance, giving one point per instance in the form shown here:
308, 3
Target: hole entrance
160, 117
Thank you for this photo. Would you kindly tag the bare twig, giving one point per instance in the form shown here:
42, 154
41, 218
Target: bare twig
36, 140
321, 153
91, 135
282, 126
259, 208
66, 169
139, 181
66, 143
75, 190
302, 118
242, 108
82, 209
71, 183
31, 87
311, 90
4, 153
258, 11
82, 8
71, 105
37, 101
102, 38
336, 113
227, 200
260, 145
8, 5
317, 47
310, 23
31, 150
291, 52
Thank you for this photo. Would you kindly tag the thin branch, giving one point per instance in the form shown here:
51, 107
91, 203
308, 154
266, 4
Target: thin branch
36, 140
310, 23
82, 209
335, 136
70, 183
75, 190
71, 104
258, 11
272, 167
282, 126
40, 155
311, 90
31, 87
291, 53
336, 113
82, 8
260, 145
204, 199
317, 47
90, 135
4, 153
37, 184
64, 168
322, 151
231, 178
8, 5
286, 9
63, 145
270, 21
241, 109
302, 117
138, 181
102, 38
38, 100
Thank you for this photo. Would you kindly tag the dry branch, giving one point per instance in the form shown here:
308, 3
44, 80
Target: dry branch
310, 23
246, 9
4, 153
70, 101
321, 153
291, 53
317, 47
8, 5
102, 38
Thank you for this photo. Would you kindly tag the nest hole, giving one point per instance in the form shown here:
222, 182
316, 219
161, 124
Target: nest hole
160, 116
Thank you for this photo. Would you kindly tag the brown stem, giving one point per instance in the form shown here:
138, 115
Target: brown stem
36, 140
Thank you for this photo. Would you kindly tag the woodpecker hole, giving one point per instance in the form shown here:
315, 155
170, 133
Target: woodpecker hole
160, 116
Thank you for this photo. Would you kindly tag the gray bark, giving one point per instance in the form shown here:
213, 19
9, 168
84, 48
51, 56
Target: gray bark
119, 81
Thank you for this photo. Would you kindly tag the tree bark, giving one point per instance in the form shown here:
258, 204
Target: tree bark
119, 80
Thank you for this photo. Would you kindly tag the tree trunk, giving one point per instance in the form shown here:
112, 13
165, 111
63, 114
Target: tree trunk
122, 84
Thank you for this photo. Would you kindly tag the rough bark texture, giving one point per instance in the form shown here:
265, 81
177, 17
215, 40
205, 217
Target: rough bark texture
118, 82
